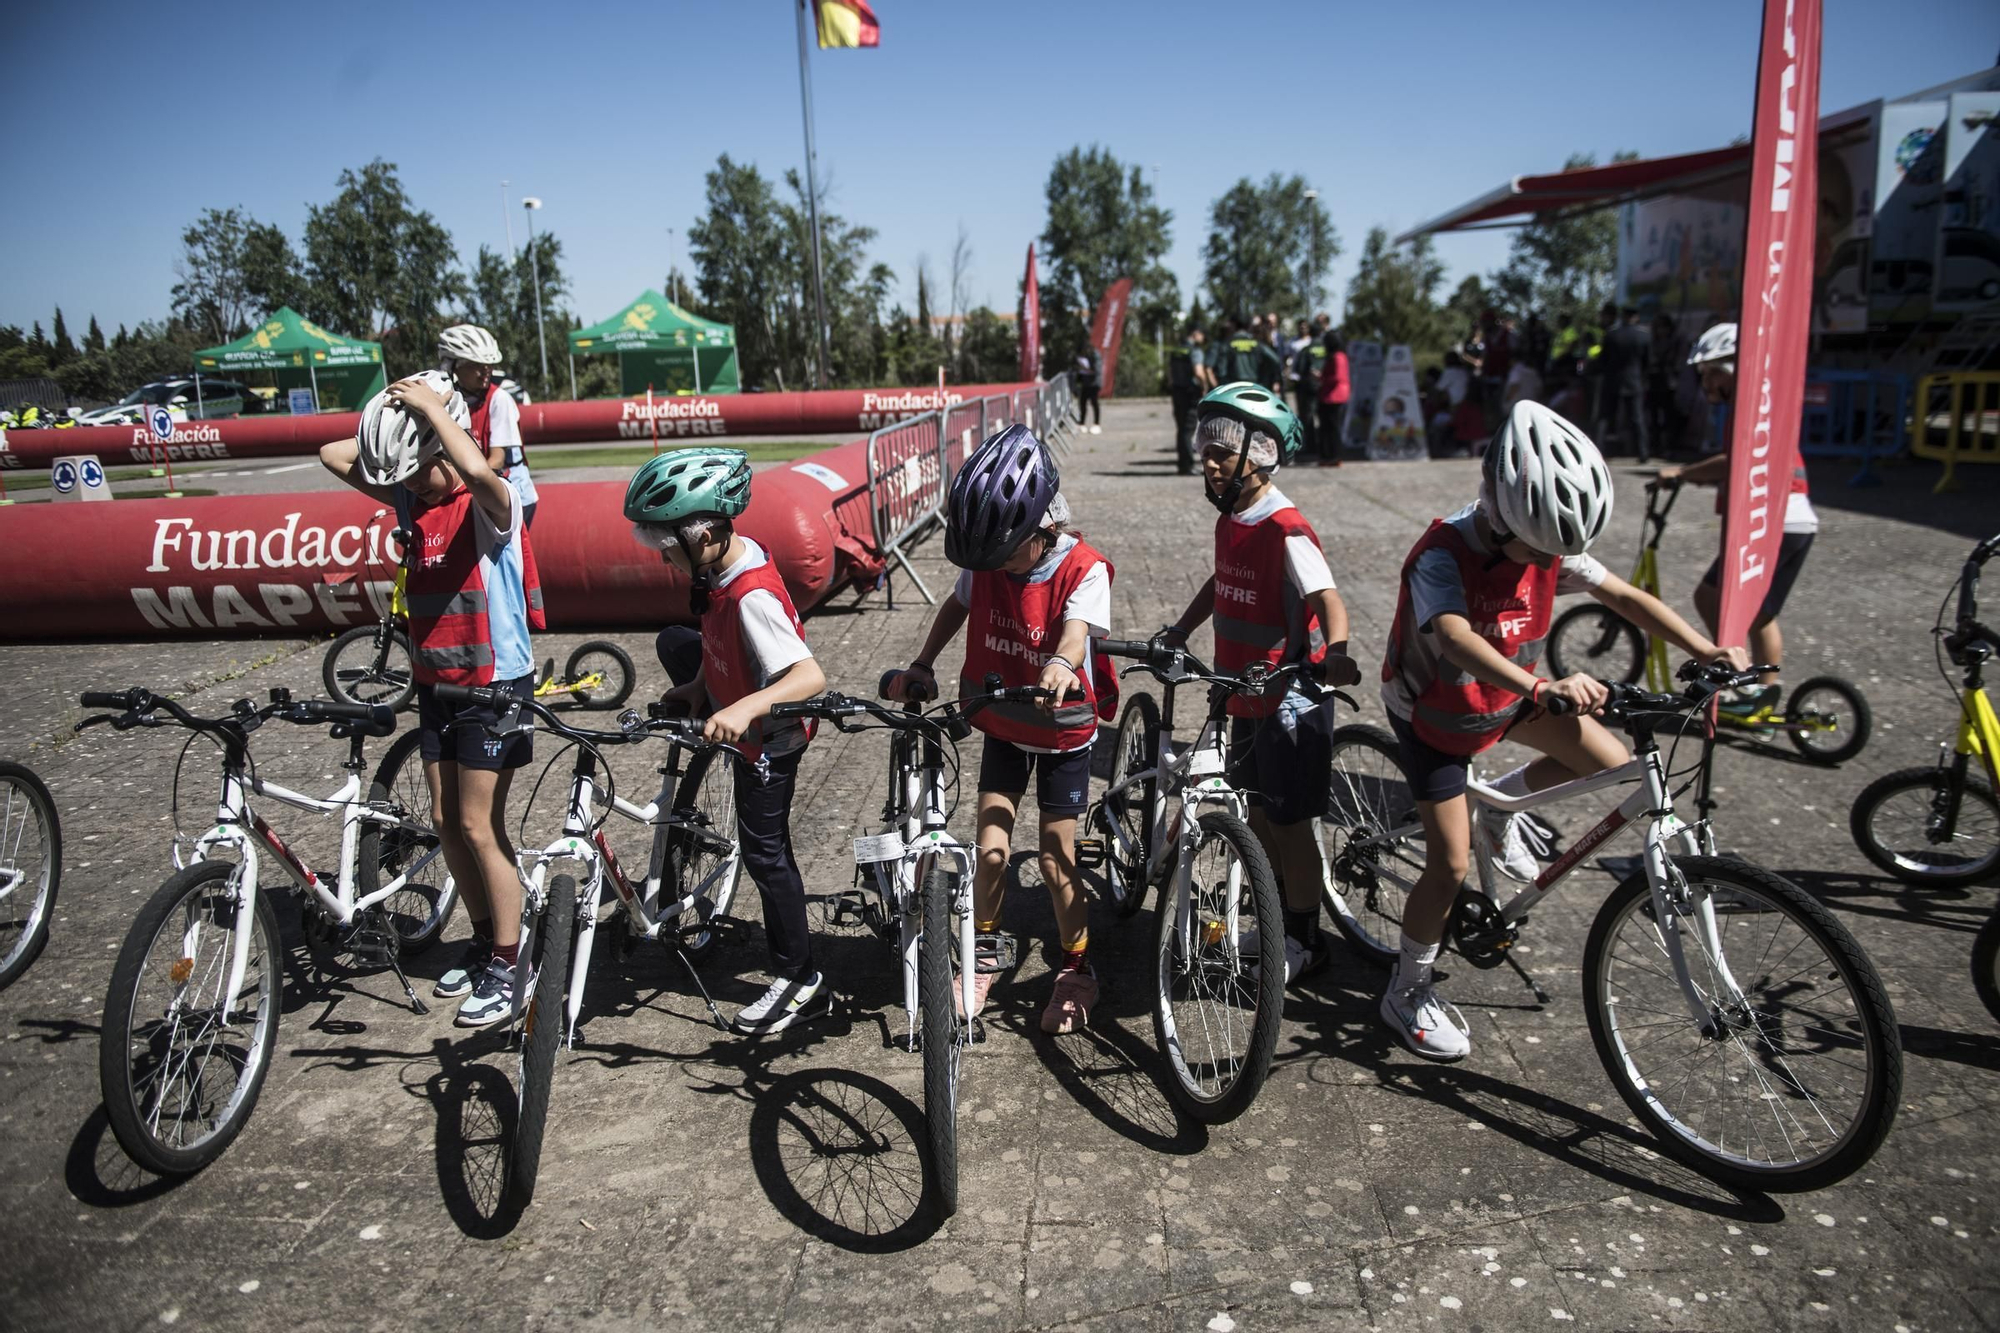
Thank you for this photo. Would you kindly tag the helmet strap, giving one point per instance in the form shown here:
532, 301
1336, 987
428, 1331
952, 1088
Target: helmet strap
1233, 491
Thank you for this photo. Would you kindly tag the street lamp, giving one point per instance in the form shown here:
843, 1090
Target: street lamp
531, 203
670, 264
1312, 246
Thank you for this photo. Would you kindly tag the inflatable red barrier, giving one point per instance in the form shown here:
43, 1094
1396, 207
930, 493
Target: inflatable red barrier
288, 564
837, 411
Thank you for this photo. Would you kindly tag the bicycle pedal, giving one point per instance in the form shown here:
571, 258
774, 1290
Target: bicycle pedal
847, 908
994, 953
1091, 853
978, 1033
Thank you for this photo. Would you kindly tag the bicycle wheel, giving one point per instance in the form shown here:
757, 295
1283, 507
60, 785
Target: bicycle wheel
944, 1039
1130, 815
30, 868
420, 909
539, 1034
180, 1064
1831, 720
703, 855
357, 672
1371, 840
1597, 641
1791, 1081
1986, 964
1215, 1014
600, 657
1903, 822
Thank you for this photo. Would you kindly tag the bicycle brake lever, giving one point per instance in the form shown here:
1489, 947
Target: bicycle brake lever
89, 722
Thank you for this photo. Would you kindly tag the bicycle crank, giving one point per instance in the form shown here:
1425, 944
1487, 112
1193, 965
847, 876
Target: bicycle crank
1479, 933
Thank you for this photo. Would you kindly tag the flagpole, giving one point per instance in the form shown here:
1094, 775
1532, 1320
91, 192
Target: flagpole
812, 197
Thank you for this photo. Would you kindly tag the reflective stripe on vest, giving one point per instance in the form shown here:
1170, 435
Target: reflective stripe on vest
464, 602
1011, 627
1256, 636
457, 657
451, 639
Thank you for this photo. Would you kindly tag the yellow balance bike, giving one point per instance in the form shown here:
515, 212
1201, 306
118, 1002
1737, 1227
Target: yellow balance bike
1941, 824
1826, 718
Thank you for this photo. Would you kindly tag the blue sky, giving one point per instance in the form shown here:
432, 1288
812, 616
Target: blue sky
128, 121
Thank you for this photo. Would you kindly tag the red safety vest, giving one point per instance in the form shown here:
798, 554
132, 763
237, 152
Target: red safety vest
1508, 606
1258, 616
1011, 628
481, 430
450, 637
728, 671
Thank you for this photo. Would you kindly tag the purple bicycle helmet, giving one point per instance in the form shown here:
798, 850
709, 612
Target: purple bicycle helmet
999, 499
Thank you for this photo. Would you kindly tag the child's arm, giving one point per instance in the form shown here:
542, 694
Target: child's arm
488, 487
1482, 661
1340, 669
342, 459
1198, 611
1058, 678
801, 680
1655, 617
1710, 471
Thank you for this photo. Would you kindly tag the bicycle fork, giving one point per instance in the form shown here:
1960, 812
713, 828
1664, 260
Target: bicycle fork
912, 940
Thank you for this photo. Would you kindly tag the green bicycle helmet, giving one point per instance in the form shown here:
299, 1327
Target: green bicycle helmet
689, 483
1253, 421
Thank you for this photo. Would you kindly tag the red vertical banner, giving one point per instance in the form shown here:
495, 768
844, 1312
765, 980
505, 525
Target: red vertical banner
1031, 323
1777, 309
1107, 330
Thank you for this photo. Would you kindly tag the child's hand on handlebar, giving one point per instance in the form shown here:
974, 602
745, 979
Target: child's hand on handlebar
1339, 669
1736, 659
919, 678
1059, 680
729, 724
1587, 693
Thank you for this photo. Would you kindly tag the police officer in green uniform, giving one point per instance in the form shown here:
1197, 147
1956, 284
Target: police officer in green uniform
1248, 358
1188, 378
1307, 363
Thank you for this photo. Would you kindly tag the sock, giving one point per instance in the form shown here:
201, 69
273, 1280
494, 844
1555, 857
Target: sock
1512, 784
1414, 967
1303, 926
510, 954
1073, 955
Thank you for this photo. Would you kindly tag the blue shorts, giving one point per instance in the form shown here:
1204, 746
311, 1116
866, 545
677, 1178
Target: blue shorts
1062, 781
1433, 774
455, 733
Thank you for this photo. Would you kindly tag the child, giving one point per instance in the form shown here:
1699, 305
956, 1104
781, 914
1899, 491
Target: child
473, 596
469, 355
1034, 594
1460, 674
752, 654
1274, 601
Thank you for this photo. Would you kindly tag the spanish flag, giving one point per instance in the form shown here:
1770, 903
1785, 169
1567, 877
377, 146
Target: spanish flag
847, 23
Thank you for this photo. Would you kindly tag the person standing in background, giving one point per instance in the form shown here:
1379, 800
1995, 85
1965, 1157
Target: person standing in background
1088, 371
1188, 378
1248, 358
1334, 391
1623, 366
1303, 357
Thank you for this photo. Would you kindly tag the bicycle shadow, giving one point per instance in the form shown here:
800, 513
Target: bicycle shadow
1959, 910
98, 1174
842, 1156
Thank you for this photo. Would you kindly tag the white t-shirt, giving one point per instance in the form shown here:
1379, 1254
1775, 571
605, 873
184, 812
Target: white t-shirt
1305, 564
770, 643
503, 421
1455, 381
1090, 603
1800, 516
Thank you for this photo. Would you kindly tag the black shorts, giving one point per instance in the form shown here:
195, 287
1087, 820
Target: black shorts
1792, 548
1062, 781
1284, 762
1433, 774
469, 744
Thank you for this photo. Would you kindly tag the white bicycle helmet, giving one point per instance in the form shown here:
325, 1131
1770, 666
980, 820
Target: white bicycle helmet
394, 443
469, 342
1715, 344
1545, 482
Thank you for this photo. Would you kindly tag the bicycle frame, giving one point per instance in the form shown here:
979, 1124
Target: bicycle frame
912, 847
1646, 578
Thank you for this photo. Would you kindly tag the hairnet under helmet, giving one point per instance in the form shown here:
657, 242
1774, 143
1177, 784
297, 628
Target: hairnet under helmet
1000, 498
1545, 482
392, 442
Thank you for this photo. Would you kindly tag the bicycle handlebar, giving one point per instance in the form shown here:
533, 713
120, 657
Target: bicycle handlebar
137, 706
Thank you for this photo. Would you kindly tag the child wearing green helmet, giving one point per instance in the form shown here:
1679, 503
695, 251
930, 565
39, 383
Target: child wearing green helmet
1273, 600
749, 654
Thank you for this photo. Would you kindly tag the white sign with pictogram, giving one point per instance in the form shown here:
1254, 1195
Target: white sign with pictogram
79, 477
162, 422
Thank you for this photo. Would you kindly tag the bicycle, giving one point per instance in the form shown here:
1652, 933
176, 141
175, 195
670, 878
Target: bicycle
1826, 718
30, 868
1710, 1025
1212, 870
1940, 825
598, 675
192, 1013
912, 880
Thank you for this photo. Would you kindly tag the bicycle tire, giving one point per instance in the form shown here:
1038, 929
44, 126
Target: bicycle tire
1986, 965
707, 793
419, 912
618, 678
540, 1034
25, 801
1138, 726
1368, 796
200, 894
341, 671
1589, 639
1863, 720
1215, 1087
1762, 1037
942, 1047
1916, 863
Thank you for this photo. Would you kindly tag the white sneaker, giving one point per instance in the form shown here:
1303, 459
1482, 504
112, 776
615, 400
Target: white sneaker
1097, 430
1300, 962
1427, 1025
1510, 851
784, 1002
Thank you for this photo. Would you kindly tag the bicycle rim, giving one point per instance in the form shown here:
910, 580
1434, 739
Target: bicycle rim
704, 849
30, 868
191, 1059
1130, 813
1597, 642
1831, 720
356, 674
944, 1036
1371, 839
1899, 822
1794, 1086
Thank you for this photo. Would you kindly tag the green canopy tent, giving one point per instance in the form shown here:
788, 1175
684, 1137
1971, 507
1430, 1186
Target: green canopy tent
343, 373
662, 346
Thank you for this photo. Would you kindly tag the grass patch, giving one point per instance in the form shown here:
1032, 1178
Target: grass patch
631, 455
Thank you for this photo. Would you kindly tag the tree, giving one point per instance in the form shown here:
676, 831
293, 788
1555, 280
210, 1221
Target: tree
93, 340
502, 300
1563, 262
272, 273
1103, 224
1461, 313
210, 294
1393, 298
376, 264
1269, 247
738, 249
855, 288
989, 353
61, 348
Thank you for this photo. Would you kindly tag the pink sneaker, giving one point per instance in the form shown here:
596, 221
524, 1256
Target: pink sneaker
982, 982
1069, 1007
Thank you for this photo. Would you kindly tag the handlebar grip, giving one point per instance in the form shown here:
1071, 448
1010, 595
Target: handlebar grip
1557, 706
917, 691
1984, 551
104, 699
803, 708
475, 694
1124, 647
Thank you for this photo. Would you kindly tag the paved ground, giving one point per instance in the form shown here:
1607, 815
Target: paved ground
1365, 1189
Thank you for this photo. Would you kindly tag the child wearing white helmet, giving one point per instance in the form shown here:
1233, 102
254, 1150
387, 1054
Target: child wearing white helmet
471, 356
1460, 674
1714, 357
473, 595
